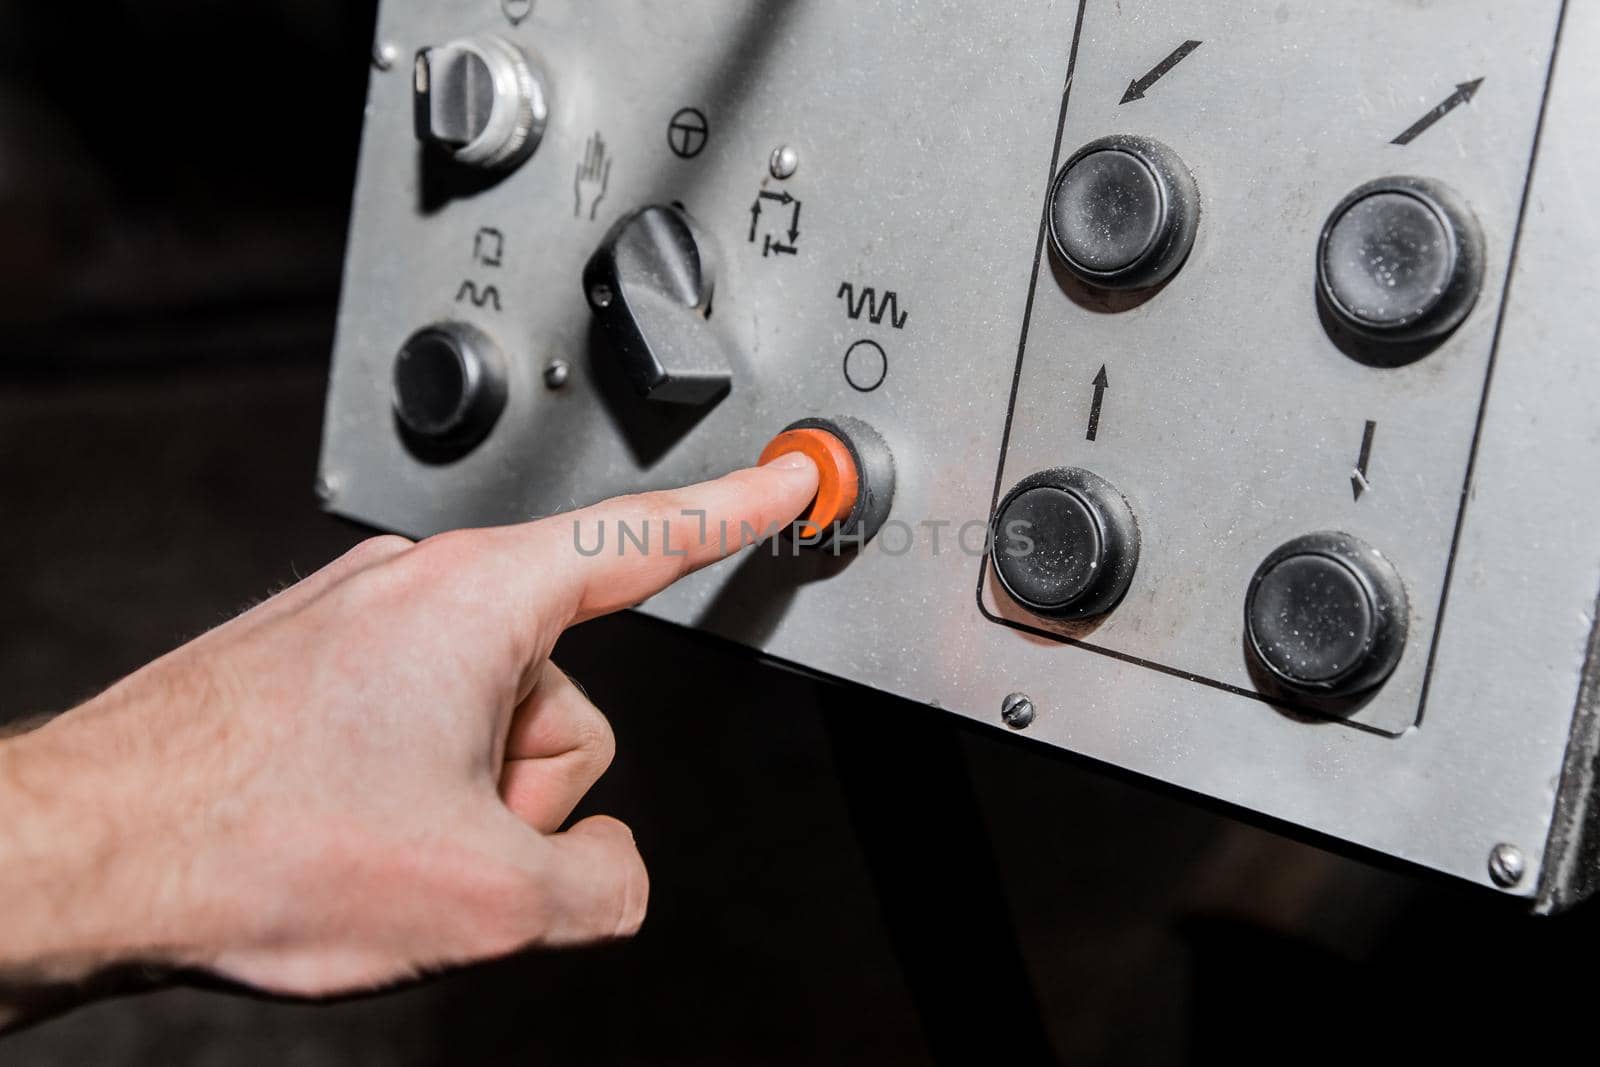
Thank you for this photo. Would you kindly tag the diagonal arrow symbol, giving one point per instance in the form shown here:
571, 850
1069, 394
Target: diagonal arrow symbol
1139, 86
1464, 92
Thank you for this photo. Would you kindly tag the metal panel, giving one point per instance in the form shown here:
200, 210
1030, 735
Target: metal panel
926, 135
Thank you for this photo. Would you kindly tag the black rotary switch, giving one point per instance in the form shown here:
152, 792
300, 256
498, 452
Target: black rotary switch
1400, 259
1065, 544
1123, 213
449, 388
1326, 614
650, 286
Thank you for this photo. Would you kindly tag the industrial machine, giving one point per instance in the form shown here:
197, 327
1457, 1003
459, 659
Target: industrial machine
1211, 388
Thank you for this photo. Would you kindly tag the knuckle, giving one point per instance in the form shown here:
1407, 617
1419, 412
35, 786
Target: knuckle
376, 550
364, 556
451, 545
595, 739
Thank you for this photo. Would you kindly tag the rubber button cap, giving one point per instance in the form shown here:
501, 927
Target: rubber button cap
838, 483
1326, 614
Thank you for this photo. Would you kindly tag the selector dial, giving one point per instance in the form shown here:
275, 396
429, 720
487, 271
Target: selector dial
1123, 213
650, 285
480, 102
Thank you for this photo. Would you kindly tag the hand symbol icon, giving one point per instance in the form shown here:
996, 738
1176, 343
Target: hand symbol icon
594, 175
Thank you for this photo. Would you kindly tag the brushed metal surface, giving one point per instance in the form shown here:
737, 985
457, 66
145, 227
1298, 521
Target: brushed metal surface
926, 135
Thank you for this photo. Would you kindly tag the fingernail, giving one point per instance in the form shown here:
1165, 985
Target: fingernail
792, 461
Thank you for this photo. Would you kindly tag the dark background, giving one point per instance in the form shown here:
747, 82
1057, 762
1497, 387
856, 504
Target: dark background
838, 878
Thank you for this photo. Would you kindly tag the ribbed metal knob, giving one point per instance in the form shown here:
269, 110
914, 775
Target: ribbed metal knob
479, 101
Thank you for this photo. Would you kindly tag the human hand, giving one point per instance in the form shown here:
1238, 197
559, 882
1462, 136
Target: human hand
361, 779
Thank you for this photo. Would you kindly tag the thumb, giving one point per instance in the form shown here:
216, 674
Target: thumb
592, 884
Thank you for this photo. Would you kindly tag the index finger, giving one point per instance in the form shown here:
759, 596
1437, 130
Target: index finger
624, 551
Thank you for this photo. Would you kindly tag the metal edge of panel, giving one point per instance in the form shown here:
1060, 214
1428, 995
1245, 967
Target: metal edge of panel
1572, 852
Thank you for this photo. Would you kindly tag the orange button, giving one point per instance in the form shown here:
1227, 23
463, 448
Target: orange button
839, 483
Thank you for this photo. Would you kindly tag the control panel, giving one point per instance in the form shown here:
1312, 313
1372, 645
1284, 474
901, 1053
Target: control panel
1216, 379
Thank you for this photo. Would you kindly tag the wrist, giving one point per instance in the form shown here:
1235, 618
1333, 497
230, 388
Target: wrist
82, 865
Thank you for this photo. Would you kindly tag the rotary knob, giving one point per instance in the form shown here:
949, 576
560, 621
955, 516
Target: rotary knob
650, 286
1326, 615
1400, 260
1123, 213
479, 101
1065, 544
449, 389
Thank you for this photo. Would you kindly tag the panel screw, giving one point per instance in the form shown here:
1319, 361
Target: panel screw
386, 55
1017, 711
557, 374
785, 161
601, 295
1507, 865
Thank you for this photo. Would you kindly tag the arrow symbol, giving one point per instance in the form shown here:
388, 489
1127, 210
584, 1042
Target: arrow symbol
1138, 87
773, 248
755, 217
1358, 480
1101, 384
794, 225
1464, 92
782, 198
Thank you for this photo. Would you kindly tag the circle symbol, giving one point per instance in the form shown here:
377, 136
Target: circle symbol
865, 366
688, 133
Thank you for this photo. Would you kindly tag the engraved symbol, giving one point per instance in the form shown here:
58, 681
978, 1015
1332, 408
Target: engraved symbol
778, 248
688, 133
869, 305
594, 177
516, 11
1101, 384
1359, 482
774, 246
1139, 86
865, 366
488, 296
488, 247
1464, 93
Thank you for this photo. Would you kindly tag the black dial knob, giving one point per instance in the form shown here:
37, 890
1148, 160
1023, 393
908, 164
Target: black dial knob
1326, 614
1065, 544
1400, 259
449, 388
1123, 213
651, 285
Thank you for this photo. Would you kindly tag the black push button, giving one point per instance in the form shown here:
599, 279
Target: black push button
1123, 213
1065, 544
1400, 259
449, 388
1326, 614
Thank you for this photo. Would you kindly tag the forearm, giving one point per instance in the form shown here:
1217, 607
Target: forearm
76, 917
